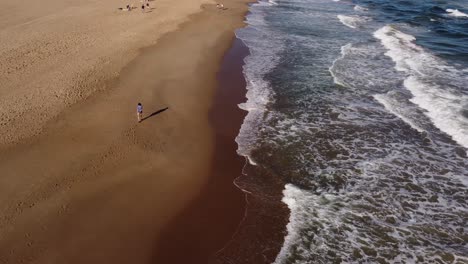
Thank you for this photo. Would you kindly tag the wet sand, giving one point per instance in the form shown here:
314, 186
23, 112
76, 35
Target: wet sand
211, 219
260, 235
96, 187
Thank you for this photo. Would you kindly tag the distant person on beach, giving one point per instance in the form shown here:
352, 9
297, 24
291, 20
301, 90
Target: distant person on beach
139, 112
127, 8
220, 6
145, 3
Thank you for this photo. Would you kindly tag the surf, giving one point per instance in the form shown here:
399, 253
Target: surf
436, 86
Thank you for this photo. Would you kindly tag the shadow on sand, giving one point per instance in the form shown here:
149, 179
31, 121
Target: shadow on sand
155, 113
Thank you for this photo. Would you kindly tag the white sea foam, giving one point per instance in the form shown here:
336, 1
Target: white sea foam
348, 221
444, 108
325, 222
436, 87
272, 2
360, 8
302, 206
363, 67
343, 52
456, 13
290, 199
352, 21
263, 57
397, 108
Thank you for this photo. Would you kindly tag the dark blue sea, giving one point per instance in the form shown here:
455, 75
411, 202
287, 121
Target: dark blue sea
360, 108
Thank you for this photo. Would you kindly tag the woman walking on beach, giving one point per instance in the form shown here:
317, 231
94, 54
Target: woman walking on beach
139, 112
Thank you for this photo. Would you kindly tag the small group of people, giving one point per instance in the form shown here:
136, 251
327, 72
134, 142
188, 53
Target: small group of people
144, 4
127, 8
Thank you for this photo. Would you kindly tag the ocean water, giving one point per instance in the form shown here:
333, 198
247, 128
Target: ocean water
361, 110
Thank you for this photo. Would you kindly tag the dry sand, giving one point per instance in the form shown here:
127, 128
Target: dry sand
80, 180
54, 53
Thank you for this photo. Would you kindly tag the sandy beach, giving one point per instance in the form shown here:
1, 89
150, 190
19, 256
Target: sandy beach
54, 54
81, 181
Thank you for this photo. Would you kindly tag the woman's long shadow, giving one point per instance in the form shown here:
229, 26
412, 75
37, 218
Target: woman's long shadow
155, 113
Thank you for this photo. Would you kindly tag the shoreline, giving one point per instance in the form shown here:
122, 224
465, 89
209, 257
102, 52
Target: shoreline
197, 235
210, 221
260, 235
71, 194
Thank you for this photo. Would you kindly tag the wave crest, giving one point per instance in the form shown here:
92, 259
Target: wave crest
456, 13
353, 21
435, 85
